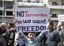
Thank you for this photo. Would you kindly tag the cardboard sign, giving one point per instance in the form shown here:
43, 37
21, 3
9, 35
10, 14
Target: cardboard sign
32, 19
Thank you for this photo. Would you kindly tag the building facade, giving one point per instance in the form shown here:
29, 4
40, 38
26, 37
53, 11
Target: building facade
56, 8
7, 8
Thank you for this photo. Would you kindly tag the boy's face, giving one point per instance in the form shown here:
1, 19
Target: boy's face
50, 27
31, 35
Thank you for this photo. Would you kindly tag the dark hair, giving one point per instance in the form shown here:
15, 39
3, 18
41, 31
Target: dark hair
51, 23
12, 24
30, 32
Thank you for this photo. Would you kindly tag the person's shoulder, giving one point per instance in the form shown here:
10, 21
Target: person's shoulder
2, 41
46, 32
56, 32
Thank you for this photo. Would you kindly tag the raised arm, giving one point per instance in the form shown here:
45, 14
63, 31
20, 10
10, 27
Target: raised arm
40, 36
22, 36
18, 36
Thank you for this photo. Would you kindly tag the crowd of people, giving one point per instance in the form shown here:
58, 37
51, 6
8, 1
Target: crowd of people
52, 36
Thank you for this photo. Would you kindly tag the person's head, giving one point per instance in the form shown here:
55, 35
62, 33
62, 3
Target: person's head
3, 26
11, 25
51, 26
31, 35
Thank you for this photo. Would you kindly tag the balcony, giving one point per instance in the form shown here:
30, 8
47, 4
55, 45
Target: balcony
8, 0
6, 16
30, 4
54, 18
56, 6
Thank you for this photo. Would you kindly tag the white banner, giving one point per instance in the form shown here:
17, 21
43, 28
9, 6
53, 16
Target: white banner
61, 17
32, 19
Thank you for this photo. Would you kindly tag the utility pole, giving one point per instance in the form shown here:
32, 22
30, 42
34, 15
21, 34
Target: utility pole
15, 6
3, 13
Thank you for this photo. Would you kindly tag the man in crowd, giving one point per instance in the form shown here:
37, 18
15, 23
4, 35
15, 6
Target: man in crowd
52, 36
2, 30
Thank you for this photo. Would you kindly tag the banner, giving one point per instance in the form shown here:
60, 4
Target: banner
61, 18
32, 19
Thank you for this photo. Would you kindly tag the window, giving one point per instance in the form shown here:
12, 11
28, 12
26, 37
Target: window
19, 0
55, 3
0, 12
9, 6
62, 2
28, 1
54, 15
1, 4
9, 12
55, 21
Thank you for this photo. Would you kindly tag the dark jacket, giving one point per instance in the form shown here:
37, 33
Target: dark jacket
52, 38
9, 37
2, 41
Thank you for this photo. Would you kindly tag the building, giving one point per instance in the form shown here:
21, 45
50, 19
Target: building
6, 10
56, 8
7, 7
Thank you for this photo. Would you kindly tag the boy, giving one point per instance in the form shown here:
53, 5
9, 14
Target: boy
30, 40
